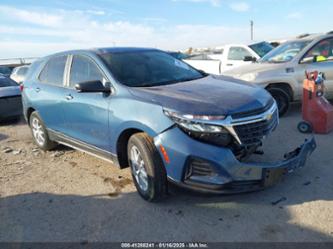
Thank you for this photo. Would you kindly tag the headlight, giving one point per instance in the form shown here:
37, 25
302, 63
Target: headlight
195, 127
195, 122
248, 76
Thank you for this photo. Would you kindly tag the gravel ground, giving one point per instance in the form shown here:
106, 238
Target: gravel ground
65, 195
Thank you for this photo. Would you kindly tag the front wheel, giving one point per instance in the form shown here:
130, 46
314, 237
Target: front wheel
282, 99
147, 168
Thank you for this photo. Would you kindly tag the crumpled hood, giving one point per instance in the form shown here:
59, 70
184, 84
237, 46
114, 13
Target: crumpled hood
10, 91
212, 95
254, 68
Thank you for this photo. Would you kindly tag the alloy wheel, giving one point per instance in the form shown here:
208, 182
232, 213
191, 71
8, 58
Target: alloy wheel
138, 168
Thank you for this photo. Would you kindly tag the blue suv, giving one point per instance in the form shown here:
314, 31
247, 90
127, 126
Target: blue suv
144, 109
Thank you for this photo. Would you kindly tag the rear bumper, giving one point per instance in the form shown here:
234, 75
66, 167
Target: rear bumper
10, 107
230, 175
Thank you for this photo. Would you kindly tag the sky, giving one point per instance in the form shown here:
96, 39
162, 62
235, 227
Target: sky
30, 28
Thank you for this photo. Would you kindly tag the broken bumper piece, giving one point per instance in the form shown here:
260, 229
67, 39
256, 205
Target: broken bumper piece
271, 173
208, 168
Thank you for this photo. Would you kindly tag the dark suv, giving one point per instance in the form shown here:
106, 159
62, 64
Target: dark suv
148, 110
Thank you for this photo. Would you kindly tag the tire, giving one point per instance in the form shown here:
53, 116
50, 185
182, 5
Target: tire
39, 133
147, 168
304, 127
282, 99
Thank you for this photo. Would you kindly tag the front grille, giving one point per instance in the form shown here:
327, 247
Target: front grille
254, 132
253, 112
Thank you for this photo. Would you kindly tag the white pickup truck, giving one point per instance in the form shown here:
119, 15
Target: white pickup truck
229, 57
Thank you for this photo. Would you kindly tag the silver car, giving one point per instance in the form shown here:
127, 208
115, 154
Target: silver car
282, 70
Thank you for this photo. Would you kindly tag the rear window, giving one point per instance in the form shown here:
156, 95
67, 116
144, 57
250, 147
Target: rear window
53, 72
22, 71
5, 82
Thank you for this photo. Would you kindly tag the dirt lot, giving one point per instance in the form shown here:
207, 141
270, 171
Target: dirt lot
64, 195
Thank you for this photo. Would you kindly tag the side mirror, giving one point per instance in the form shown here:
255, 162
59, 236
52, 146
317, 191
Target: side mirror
91, 87
250, 58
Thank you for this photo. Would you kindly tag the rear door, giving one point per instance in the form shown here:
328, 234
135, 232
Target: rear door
86, 114
48, 91
320, 58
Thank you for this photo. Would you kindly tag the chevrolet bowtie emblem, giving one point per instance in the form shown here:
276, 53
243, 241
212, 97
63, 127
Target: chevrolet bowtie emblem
269, 116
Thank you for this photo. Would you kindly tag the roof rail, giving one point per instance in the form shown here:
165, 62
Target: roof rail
303, 36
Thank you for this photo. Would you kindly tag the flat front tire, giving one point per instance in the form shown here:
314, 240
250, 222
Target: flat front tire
147, 168
39, 132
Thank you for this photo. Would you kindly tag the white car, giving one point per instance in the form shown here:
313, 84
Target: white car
236, 55
282, 71
228, 57
18, 74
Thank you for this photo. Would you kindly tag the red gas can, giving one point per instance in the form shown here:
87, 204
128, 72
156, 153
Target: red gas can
317, 112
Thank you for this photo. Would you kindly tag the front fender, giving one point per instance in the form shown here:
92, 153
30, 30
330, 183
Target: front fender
134, 114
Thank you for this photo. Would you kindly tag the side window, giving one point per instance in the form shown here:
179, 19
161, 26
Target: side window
53, 72
320, 52
238, 53
84, 69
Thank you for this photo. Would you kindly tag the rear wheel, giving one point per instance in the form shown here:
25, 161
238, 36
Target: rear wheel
39, 132
282, 99
147, 168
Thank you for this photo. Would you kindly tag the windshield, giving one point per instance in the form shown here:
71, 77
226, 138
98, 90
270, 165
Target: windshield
261, 48
285, 52
148, 68
5, 82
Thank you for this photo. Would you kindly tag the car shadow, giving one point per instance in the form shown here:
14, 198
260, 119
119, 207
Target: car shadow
44, 217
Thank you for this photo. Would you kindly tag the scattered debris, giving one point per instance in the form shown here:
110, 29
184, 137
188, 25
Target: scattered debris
107, 179
17, 152
12, 163
237, 216
279, 200
35, 150
114, 194
120, 177
57, 154
50, 201
307, 183
220, 219
7, 150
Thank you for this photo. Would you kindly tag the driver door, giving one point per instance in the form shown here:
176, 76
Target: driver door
86, 114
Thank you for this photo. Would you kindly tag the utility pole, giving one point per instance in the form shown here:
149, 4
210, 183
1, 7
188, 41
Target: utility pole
252, 23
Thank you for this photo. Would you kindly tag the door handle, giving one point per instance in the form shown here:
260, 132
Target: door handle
69, 97
230, 64
37, 90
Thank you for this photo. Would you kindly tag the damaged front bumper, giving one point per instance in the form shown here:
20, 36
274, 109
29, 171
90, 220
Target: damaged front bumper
208, 168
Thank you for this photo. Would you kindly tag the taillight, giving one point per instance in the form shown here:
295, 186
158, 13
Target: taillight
21, 87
